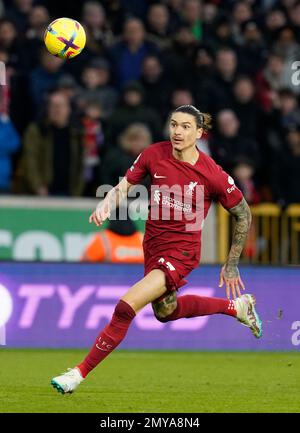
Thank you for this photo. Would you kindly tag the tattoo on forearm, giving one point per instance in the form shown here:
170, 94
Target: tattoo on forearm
242, 215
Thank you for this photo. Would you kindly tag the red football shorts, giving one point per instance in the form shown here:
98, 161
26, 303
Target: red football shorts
175, 264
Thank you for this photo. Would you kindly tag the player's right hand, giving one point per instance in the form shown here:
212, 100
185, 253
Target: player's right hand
100, 214
231, 277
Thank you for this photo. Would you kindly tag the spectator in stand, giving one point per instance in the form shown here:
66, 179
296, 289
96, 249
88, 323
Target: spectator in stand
15, 92
96, 87
38, 20
281, 118
241, 12
175, 8
294, 17
137, 8
220, 93
245, 107
274, 20
286, 45
53, 152
292, 192
68, 85
181, 97
44, 78
127, 55
252, 51
93, 143
287, 4
227, 141
10, 42
191, 15
243, 173
285, 169
131, 110
284, 115
271, 79
179, 58
201, 76
99, 35
19, 13
157, 87
9, 144
210, 14
158, 25
116, 13
221, 35
133, 140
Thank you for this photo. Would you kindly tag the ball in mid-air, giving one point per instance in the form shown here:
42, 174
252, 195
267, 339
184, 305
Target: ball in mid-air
65, 38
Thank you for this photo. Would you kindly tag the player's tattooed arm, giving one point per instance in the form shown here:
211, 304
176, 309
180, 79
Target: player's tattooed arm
242, 215
230, 273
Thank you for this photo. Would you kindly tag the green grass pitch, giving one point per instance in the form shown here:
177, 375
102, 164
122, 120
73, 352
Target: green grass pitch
142, 381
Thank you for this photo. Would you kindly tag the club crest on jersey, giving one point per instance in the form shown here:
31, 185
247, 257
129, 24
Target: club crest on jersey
191, 188
156, 197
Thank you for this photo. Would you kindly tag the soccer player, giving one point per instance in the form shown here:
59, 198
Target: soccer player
172, 245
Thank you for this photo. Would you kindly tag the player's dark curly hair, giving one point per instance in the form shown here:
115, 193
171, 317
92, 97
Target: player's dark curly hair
203, 120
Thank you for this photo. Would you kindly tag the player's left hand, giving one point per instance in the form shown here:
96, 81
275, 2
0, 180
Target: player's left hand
231, 276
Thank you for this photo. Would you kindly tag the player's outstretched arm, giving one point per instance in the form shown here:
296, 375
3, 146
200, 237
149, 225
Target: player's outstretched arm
112, 200
230, 273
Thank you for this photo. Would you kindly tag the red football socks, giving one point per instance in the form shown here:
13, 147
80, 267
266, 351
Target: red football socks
109, 338
112, 335
193, 306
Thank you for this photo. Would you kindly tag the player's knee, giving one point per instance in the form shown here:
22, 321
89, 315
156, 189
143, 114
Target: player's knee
124, 311
163, 314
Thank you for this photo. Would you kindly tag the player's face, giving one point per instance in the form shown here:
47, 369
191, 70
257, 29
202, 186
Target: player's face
183, 131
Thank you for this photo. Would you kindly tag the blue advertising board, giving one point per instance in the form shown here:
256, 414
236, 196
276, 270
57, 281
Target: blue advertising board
66, 305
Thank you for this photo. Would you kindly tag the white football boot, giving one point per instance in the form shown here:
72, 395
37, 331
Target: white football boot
247, 315
67, 382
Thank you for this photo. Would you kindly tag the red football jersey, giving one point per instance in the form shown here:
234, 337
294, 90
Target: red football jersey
180, 189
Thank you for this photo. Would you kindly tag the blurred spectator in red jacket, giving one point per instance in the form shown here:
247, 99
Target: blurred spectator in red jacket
93, 143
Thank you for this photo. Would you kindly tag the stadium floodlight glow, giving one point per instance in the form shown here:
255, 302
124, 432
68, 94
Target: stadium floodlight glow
6, 305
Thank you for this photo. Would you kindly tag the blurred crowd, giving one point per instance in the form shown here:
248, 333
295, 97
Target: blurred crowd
68, 126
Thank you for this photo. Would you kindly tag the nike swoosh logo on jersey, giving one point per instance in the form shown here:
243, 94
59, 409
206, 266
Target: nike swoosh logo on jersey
159, 177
